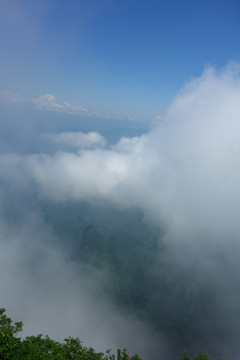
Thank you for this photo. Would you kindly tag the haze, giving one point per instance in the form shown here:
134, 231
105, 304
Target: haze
133, 104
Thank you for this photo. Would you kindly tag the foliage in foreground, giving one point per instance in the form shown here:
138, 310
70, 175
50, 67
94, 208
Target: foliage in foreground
44, 348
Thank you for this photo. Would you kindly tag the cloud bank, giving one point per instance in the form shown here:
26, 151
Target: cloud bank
79, 140
185, 169
184, 173
48, 102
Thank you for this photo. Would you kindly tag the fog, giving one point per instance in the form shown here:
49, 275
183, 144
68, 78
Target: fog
186, 167
184, 174
54, 296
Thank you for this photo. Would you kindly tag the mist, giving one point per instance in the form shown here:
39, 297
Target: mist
184, 174
54, 295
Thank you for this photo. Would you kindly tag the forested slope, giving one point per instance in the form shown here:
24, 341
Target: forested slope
138, 276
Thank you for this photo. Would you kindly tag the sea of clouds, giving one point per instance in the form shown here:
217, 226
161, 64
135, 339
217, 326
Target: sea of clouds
184, 173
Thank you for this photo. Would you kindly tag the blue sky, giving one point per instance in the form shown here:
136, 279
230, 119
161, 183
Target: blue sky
112, 56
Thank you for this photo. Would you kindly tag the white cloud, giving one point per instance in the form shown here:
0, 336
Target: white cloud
185, 172
186, 168
80, 140
48, 102
127, 144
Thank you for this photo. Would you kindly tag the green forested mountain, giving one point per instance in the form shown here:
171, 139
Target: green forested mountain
139, 279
